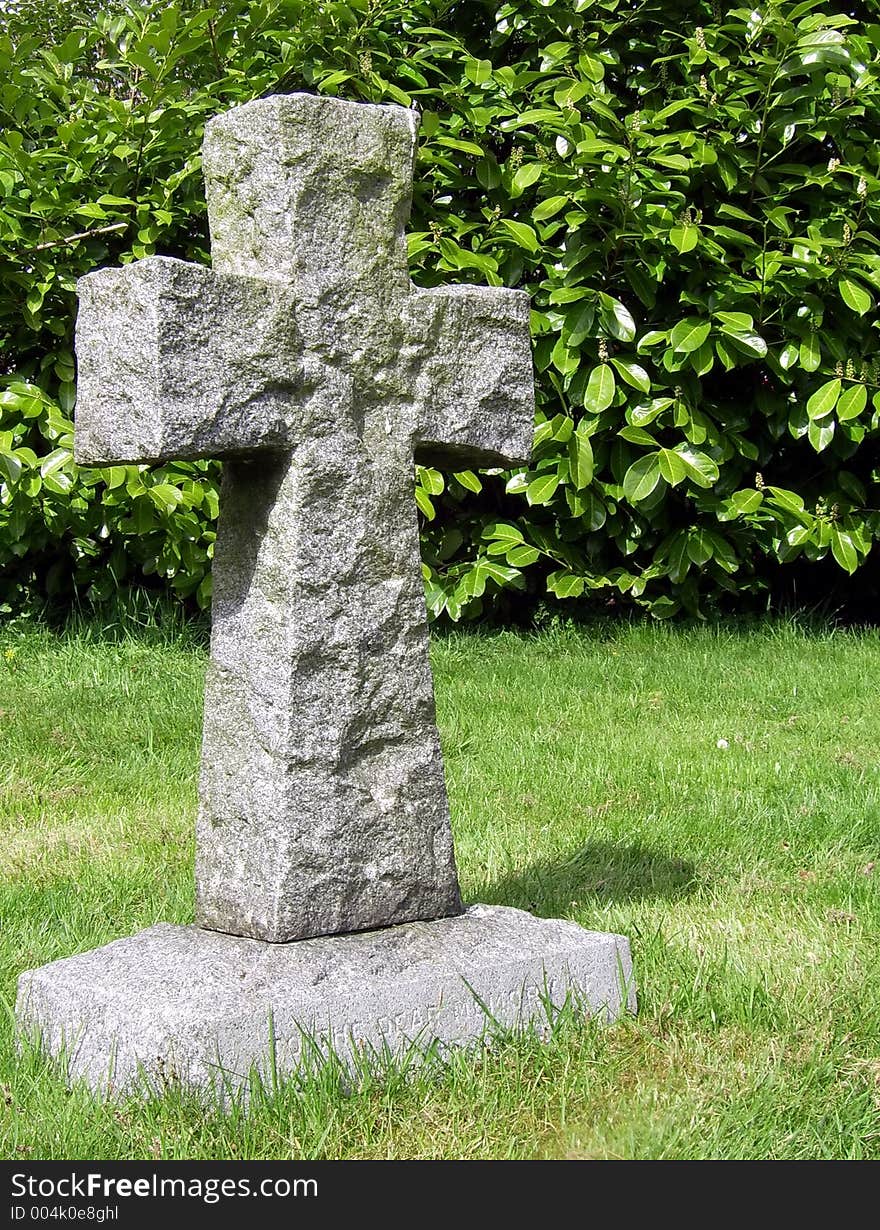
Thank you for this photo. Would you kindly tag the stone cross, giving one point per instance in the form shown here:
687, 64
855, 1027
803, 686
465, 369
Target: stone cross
308, 361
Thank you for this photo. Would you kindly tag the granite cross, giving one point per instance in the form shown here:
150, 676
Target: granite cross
308, 361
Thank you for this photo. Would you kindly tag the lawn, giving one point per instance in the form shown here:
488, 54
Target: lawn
713, 794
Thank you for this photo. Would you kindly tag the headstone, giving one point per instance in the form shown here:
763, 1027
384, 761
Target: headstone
307, 360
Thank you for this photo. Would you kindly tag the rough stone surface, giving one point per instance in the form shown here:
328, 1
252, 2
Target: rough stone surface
197, 1005
309, 362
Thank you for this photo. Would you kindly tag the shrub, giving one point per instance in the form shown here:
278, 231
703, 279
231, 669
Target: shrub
690, 195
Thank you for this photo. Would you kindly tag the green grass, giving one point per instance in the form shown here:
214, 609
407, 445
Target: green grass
587, 781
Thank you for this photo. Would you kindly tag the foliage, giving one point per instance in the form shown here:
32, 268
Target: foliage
689, 194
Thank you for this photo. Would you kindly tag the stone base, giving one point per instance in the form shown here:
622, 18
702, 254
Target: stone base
181, 1003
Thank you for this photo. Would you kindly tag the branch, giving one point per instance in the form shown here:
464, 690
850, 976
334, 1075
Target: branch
101, 230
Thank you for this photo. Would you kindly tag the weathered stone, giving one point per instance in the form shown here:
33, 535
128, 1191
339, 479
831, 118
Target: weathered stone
308, 360
184, 1003
309, 363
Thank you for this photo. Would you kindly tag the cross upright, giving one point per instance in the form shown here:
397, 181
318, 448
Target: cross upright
306, 359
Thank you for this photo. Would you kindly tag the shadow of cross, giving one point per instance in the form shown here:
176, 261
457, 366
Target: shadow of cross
308, 361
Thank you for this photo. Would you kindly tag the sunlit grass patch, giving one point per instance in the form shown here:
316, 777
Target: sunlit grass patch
712, 794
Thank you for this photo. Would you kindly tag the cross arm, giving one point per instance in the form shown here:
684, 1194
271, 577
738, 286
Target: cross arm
474, 385
176, 361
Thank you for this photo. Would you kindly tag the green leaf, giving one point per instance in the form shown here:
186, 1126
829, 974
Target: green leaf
633, 374
824, 399
591, 66
449, 544
684, 238
702, 360
55, 461
734, 211
10, 466
521, 233
700, 469
600, 389
647, 412
677, 557
565, 584
60, 482
689, 334
748, 500
541, 490
820, 435
466, 147
664, 607
616, 318
810, 354
562, 426
424, 502
165, 496
503, 531
25, 399
473, 583
478, 71
578, 325
431, 480
569, 294
736, 322
461, 258
524, 177
675, 162
637, 435
852, 402
642, 284
116, 476
522, 556
517, 483
548, 208
816, 38
855, 296
642, 478
722, 552
534, 115
488, 172
852, 487
788, 500
751, 343
815, 59
844, 549
90, 210
652, 338
468, 480
580, 458
203, 593
499, 573
565, 361
672, 467
699, 547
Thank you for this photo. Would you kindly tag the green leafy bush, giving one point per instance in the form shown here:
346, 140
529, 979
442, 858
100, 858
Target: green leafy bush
689, 193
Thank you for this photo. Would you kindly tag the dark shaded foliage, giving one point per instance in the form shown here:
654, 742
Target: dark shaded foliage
689, 192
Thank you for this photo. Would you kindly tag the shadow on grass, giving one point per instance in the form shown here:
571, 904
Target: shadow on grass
598, 873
